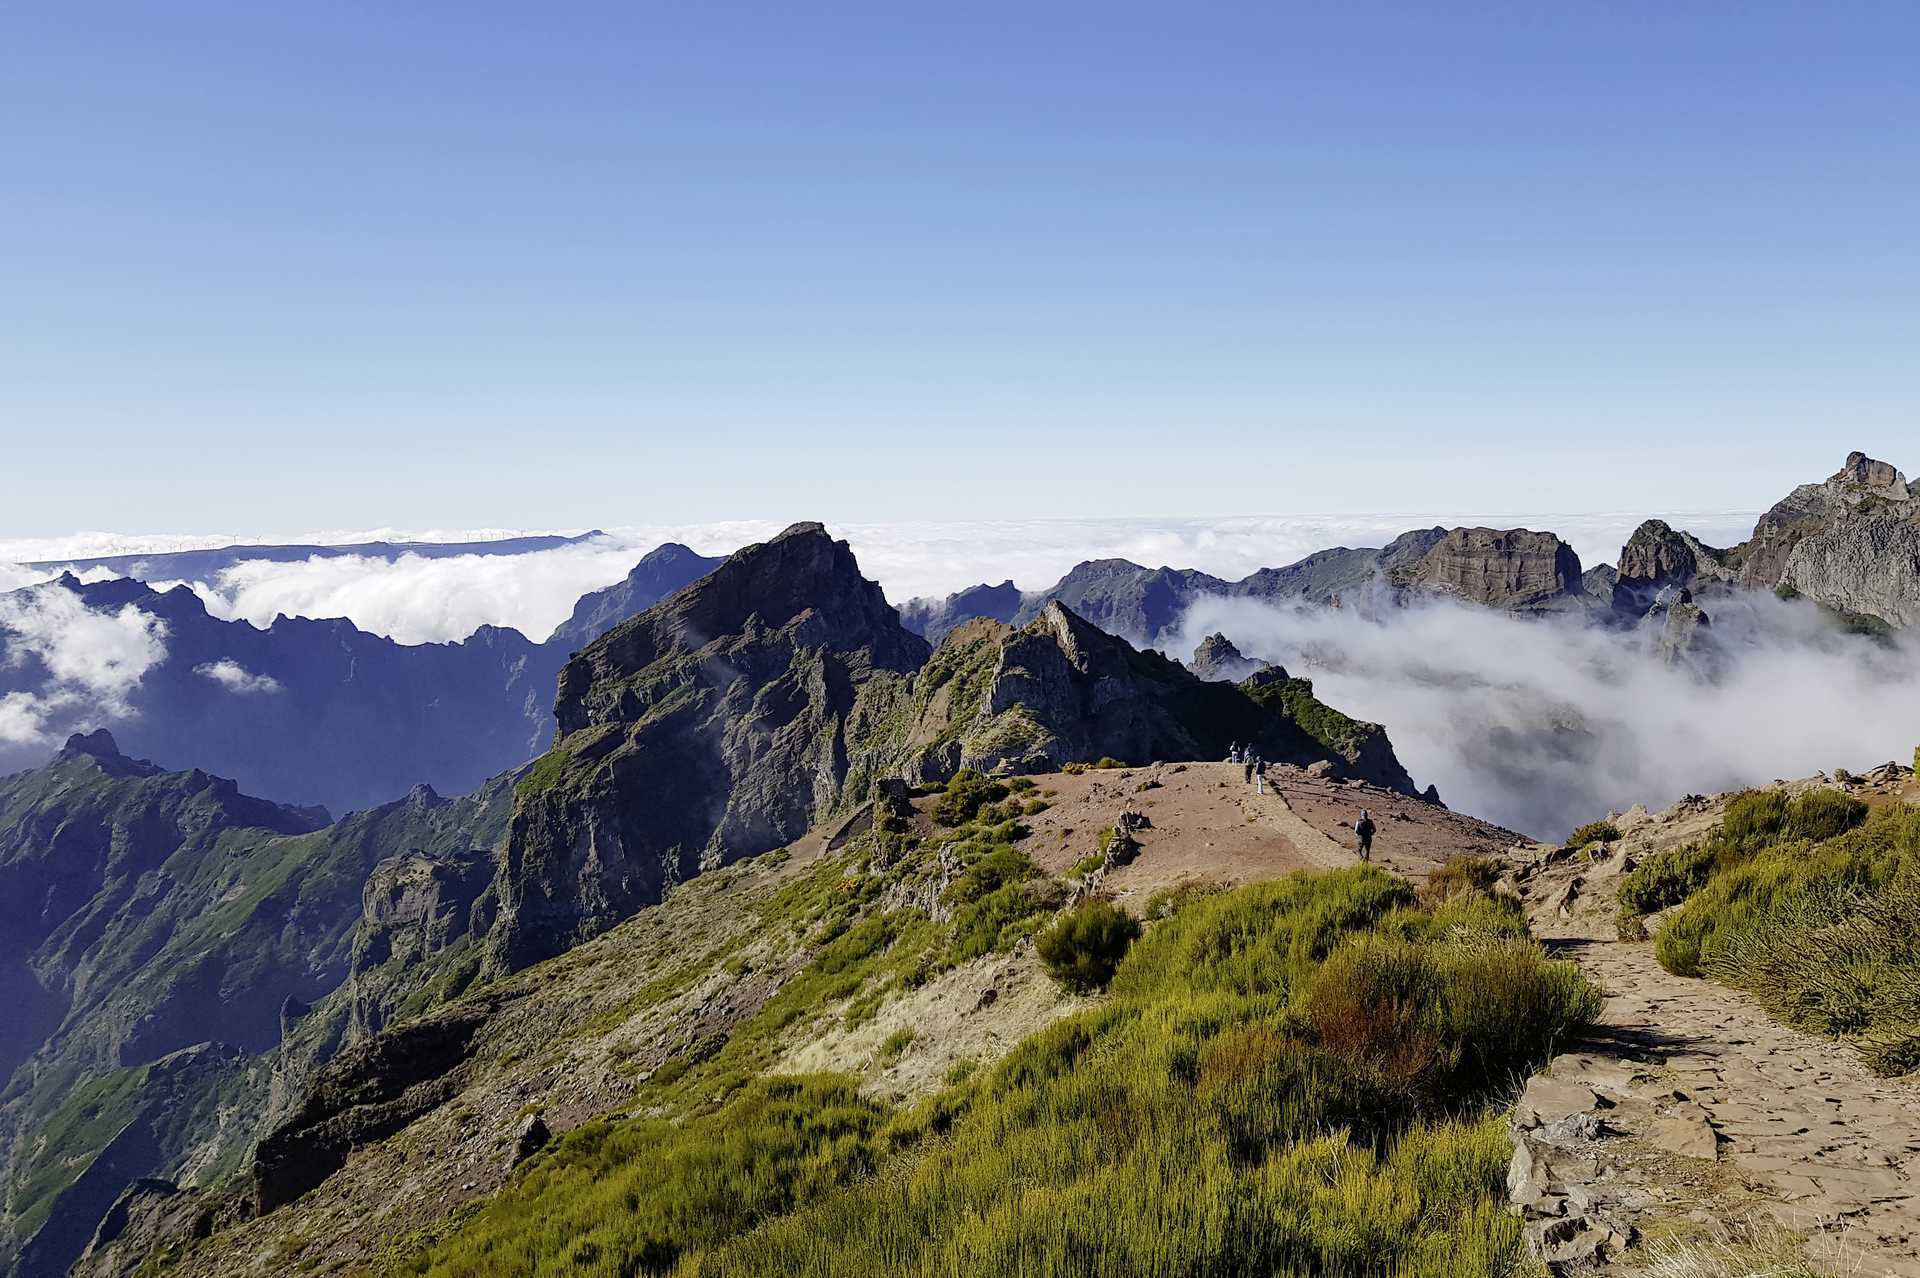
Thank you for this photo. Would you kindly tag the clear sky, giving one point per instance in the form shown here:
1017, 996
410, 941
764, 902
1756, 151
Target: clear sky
288, 266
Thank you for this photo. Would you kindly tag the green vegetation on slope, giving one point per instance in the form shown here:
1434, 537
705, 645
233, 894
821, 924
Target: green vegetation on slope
1812, 905
1294, 698
1287, 1078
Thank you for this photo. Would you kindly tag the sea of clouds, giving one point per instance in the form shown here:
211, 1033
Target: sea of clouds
415, 599
1540, 725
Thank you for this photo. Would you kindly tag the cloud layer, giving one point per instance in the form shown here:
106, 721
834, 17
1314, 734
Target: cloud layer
93, 660
416, 600
1542, 725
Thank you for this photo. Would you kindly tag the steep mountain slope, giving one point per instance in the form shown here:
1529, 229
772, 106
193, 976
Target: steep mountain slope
874, 954
144, 913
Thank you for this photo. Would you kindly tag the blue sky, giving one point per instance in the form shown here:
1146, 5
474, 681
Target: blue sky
295, 266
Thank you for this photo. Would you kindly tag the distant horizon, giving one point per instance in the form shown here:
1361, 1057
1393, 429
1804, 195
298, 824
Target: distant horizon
416, 599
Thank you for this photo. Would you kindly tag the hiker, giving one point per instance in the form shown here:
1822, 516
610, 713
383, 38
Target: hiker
1249, 767
1233, 753
1259, 775
1364, 829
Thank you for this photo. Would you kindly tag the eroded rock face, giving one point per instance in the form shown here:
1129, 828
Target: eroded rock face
1515, 569
1866, 567
1861, 491
1659, 559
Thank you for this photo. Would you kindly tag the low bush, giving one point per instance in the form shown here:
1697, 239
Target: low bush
964, 796
1593, 832
1460, 873
1086, 945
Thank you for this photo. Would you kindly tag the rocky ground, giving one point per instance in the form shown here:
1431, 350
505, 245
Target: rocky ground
1690, 1114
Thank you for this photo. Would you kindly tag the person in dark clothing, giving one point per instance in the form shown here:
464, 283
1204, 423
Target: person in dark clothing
1249, 767
1364, 829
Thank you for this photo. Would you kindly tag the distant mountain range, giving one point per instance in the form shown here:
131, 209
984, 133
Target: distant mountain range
205, 565
322, 712
1850, 543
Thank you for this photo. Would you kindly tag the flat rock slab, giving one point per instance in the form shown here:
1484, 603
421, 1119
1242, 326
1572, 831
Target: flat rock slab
1695, 1075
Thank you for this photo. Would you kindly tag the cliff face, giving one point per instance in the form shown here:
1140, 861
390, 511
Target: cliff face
707, 729
1514, 569
1850, 542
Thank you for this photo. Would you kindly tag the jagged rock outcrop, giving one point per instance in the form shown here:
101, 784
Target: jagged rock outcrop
1217, 659
1850, 543
1659, 559
1682, 631
709, 728
935, 619
368, 1092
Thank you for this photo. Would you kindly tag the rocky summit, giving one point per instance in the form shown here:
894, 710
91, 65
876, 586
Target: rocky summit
1850, 543
706, 729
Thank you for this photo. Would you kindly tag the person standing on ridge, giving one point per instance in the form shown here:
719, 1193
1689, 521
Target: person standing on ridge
1364, 829
1249, 765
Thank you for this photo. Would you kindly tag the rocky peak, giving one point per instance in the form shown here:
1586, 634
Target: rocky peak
1216, 658
1877, 477
99, 744
802, 584
1659, 557
712, 726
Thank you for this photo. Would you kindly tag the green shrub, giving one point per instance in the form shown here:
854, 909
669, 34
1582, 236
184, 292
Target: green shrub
1668, 878
1593, 832
1460, 873
1086, 945
964, 796
1823, 814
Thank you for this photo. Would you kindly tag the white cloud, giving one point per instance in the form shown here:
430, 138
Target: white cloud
236, 678
1541, 725
94, 660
